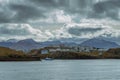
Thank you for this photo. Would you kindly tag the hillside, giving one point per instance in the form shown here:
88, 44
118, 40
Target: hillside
7, 54
100, 43
25, 45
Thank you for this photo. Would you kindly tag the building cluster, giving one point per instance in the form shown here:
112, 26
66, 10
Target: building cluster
54, 49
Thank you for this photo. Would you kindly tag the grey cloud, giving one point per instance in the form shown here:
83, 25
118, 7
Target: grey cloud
20, 13
21, 31
3, 18
109, 8
48, 3
79, 31
29, 10
4, 14
94, 9
13, 30
25, 12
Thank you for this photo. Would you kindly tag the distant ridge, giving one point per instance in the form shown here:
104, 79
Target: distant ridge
8, 43
100, 43
25, 45
29, 44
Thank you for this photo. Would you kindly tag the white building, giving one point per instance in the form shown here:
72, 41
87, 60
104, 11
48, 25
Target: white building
52, 49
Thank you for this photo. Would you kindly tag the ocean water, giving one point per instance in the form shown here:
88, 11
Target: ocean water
61, 70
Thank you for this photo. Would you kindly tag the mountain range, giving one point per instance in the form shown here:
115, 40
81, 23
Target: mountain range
29, 44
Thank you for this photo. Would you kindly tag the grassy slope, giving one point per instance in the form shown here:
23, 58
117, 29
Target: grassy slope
7, 54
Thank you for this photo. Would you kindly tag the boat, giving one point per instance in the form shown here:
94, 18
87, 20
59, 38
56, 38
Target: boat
48, 58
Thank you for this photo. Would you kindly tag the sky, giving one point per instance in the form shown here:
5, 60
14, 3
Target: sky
45, 20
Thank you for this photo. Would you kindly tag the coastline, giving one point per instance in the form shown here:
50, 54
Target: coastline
21, 59
35, 59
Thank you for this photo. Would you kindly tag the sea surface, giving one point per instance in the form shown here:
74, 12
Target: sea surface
108, 69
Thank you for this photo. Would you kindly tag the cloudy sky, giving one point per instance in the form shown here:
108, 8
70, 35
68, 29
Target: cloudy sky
55, 19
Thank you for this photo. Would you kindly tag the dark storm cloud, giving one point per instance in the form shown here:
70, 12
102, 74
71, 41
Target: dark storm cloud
51, 4
25, 12
48, 3
31, 10
4, 14
20, 13
4, 18
109, 8
28, 10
